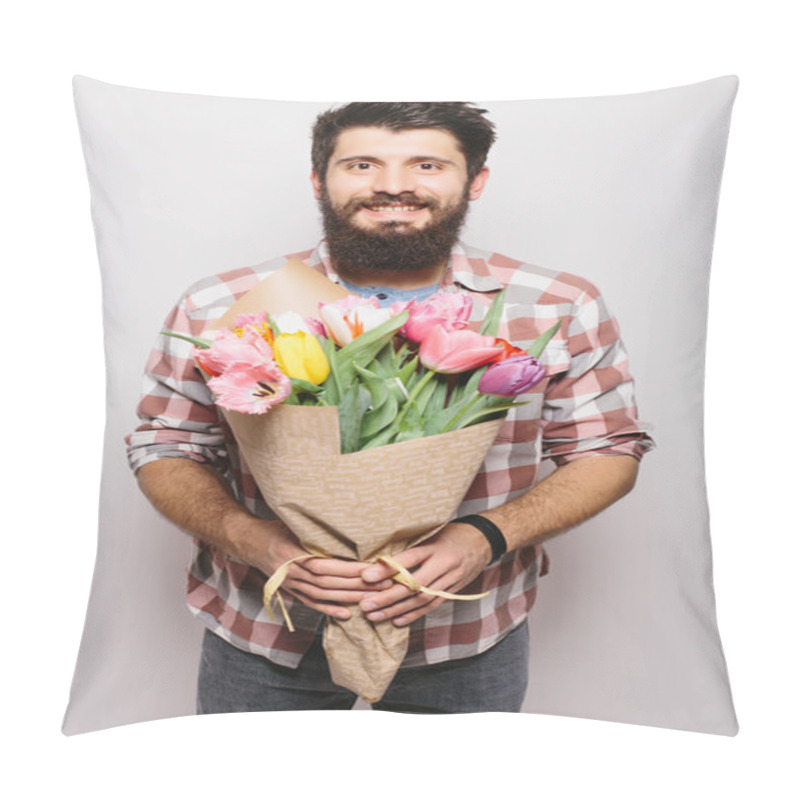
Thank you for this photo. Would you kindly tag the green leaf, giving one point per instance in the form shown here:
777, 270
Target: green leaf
332, 388
408, 371
438, 398
276, 331
425, 394
299, 385
365, 347
538, 346
384, 437
351, 410
491, 323
376, 420
493, 412
410, 433
204, 344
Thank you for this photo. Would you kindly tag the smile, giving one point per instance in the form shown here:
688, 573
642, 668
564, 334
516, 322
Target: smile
394, 208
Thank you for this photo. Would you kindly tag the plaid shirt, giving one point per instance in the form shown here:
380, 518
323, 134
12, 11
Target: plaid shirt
584, 407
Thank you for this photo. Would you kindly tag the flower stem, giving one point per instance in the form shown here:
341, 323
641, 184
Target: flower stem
413, 396
461, 413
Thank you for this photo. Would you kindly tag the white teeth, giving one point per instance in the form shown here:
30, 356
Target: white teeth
394, 208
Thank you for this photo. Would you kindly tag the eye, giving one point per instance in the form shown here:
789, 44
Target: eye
361, 166
428, 166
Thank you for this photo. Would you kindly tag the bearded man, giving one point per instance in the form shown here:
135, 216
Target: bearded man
394, 182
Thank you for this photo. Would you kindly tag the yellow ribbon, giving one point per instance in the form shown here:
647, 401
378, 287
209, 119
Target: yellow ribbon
274, 583
407, 579
403, 577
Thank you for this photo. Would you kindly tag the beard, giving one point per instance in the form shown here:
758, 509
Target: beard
392, 246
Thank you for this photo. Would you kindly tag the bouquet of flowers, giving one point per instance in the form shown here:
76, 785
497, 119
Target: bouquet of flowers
364, 429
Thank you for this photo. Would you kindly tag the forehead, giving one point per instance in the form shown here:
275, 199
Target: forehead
386, 143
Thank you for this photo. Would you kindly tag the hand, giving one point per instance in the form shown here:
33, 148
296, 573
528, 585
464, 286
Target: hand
448, 561
327, 585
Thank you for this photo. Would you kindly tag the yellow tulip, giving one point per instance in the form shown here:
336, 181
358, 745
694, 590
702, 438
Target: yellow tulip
300, 355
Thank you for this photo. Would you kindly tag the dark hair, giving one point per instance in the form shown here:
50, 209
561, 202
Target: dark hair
474, 132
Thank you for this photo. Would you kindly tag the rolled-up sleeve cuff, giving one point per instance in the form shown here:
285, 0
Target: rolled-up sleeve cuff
145, 446
629, 444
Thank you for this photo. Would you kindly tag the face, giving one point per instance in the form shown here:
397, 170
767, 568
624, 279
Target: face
394, 200
378, 178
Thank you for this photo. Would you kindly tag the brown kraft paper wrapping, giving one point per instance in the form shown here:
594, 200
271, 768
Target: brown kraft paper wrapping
358, 506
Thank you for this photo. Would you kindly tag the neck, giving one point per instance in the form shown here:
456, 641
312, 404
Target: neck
412, 279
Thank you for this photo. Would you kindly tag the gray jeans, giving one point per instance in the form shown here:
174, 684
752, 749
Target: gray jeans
232, 680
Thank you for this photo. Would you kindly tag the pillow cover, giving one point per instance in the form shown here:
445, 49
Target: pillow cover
621, 190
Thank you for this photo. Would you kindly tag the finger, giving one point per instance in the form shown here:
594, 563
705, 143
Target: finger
328, 581
409, 609
384, 605
409, 559
373, 604
414, 614
338, 567
412, 608
324, 595
435, 568
330, 609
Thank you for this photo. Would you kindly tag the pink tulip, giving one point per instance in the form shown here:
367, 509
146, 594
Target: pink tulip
512, 376
251, 390
230, 351
243, 320
456, 351
449, 310
316, 327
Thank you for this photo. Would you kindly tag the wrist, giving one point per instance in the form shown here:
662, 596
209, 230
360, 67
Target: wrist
257, 542
473, 541
495, 541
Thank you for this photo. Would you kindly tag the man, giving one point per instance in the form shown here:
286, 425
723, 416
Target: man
394, 181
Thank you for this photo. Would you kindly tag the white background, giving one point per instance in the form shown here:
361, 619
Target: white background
53, 384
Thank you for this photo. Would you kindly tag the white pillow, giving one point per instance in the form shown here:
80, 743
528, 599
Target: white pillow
621, 190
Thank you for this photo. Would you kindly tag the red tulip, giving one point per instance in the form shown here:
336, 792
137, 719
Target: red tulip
508, 350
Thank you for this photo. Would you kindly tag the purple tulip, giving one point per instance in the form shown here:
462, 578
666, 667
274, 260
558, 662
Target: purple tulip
512, 376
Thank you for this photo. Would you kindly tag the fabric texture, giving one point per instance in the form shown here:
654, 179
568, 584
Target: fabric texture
585, 406
621, 190
232, 680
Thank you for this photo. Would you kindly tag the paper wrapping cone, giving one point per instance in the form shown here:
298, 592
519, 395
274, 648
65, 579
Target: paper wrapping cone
358, 505
294, 287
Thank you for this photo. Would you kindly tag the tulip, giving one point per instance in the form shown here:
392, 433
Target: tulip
316, 327
256, 323
508, 350
348, 318
456, 351
243, 320
512, 376
449, 310
291, 322
230, 350
300, 355
251, 390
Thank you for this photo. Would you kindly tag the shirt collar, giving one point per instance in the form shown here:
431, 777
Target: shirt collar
470, 272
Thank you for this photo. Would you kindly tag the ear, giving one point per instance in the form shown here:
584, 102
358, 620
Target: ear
478, 183
316, 185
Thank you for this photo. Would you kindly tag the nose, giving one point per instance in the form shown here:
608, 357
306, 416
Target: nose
393, 179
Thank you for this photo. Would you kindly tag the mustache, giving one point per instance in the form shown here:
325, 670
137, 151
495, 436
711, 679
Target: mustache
383, 198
